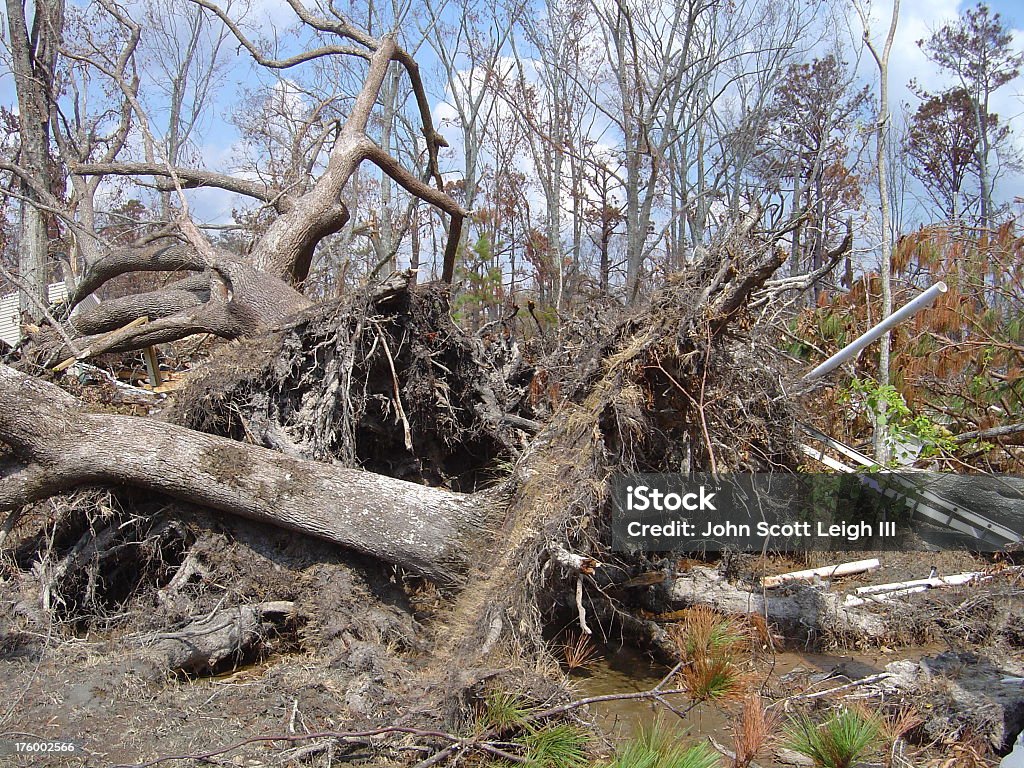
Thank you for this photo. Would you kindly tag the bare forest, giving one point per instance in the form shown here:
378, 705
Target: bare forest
327, 328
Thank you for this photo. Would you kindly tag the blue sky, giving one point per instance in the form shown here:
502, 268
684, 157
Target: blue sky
917, 19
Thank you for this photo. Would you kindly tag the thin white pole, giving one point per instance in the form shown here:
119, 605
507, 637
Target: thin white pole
905, 312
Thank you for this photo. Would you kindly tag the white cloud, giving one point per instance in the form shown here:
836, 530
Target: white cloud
213, 206
918, 20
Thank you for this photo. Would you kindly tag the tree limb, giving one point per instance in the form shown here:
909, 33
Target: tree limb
191, 178
985, 434
154, 258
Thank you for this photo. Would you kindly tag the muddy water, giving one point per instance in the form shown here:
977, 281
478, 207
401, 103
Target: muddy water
625, 670
628, 671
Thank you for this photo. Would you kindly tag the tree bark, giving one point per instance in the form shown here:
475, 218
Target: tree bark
33, 59
203, 644
880, 443
59, 445
228, 299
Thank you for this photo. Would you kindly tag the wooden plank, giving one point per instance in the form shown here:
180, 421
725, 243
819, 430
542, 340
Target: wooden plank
152, 367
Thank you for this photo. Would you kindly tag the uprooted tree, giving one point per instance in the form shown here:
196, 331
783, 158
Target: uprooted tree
375, 423
227, 296
324, 389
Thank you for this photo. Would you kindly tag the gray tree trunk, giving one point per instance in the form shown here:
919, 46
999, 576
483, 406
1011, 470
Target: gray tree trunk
33, 58
59, 445
880, 443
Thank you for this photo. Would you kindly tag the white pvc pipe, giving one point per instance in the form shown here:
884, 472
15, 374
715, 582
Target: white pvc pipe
936, 582
825, 571
903, 313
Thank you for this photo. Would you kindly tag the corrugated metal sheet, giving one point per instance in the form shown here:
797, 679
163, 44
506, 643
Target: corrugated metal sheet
10, 325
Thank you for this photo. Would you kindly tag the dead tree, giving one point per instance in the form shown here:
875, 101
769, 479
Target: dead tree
640, 399
232, 298
59, 446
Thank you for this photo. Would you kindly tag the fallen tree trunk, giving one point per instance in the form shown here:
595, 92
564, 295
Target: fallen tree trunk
805, 610
59, 445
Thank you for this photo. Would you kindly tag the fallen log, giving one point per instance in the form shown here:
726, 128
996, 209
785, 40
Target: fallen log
824, 572
230, 632
805, 610
59, 445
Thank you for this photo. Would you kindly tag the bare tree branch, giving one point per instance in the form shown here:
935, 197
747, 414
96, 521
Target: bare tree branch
191, 178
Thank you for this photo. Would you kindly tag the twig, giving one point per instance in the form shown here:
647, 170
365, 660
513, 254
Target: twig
870, 679
339, 735
703, 417
502, 753
680, 713
398, 397
561, 709
984, 434
669, 676
728, 752
438, 757
482, 741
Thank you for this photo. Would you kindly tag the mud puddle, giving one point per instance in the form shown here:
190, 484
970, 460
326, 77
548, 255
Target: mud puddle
625, 670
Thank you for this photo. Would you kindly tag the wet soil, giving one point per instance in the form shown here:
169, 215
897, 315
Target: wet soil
624, 669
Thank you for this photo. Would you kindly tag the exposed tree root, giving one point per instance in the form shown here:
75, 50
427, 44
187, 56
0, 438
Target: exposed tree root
389, 384
643, 403
224, 634
307, 425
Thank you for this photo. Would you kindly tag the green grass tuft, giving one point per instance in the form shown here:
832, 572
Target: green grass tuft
503, 710
658, 748
837, 742
557, 746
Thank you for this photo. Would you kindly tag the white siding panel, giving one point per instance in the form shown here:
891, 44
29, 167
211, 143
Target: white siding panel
10, 330
10, 326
